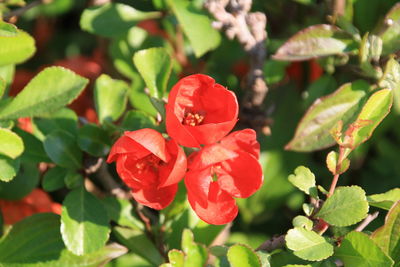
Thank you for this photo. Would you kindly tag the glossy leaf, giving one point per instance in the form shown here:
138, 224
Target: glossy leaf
36, 241
372, 113
313, 131
390, 35
357, 249
112, 19
154, 65
135, 120
384, 200
110, 98
176, 258
16, 46
93, 140
61, 147
332, 162
11, 145
8, 168
64, 119
34, 150
308, 245
23, 183
196, 25
196, 254
138, 98
387, 237
51, 89
84, 222
304, 179
53, 179
391, 80
347, 206
242, 256
122, 212
139, 243
316, 41
302, 221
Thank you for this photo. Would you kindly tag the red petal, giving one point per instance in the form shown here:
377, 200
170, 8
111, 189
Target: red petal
198, 184
126, 170
245, 140
220, 209
240, 176
155, 198
172, 172
210, 155
126, 145
151, 140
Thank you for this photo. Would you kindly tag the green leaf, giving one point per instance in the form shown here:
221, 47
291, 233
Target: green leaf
138, 99
242, 256
196, 254
384, 200
316, 41
11, 145
326, 84
302, 221
135, 120
139, 243
390, 35
34, 150
332, 161
61, 147
176, 258
73, 180
348, 205
313, 131
64, 119
274, 71
110, 98
51, 89
121, 211
7, 29
372, 113
304, 179
154, 65
391, 80
93, 140
196, 25
3, 86
8, 168
16, 46
7, 74
36, 241
357, 249
387, 237
308, 245
25, 181
113, 19
53, 179
84, 222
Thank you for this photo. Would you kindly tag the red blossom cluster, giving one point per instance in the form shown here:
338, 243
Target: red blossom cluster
199, 114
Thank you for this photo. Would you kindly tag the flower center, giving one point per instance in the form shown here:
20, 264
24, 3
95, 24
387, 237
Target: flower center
193, 118
149, 162
215, 170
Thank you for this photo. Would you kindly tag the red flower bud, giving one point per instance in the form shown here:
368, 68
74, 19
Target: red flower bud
222, 171
150, 165
200, 111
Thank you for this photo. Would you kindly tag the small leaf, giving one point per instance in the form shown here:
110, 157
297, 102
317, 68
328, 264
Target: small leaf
113, 19
154, 65
137, 97
308, 245
25, 181
196, 254
73, 180
63, 119
316, 41
8, 168
313, 131
93, 140
302, 221
139, 243
121, 211
206, 233
176, 258
135, 120
332, 162
34, 150
110, 98
357, 249
51, 89
308, 209
11, 145
196, 25
347, 206
242, 256
16, 47
61, 147
53, 179
373, 112
7, 29
387, 237
84, 222
384, 200
391, 80
274, 71
2, 87
304, 179
390, 35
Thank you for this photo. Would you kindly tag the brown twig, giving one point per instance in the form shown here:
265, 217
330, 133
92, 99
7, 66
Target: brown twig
108, 182
18, 12
234, 17
273, 243
367, 221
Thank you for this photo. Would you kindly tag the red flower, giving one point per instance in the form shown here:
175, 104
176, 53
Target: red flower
150, 165
222, 171
200, 111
